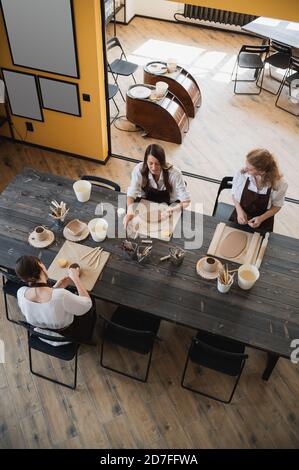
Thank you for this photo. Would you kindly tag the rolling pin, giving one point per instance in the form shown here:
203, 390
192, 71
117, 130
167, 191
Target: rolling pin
262, 251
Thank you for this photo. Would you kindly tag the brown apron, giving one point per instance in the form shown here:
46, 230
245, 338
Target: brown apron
154, 195
255, 204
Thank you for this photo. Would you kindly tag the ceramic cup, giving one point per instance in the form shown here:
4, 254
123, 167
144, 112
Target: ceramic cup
40, 233
248, 274
98, 229
161, 88
82, 190
224, 288
171, 65
210, 264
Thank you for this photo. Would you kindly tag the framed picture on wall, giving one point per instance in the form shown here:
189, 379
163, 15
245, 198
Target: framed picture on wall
59, 95
41, 35
22, 94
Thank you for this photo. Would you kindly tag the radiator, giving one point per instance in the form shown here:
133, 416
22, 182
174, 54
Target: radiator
217, 16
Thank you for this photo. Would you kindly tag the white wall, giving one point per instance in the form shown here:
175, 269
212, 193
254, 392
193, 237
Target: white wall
158, 8
154, 8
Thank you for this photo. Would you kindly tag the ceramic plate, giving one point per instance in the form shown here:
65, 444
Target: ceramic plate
141, 92
205, 274
157, 69
41, 243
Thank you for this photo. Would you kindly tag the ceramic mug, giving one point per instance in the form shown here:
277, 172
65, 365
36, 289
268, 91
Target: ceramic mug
161, 88
82, 190
210, 264
171, 65
40, 233
248, 274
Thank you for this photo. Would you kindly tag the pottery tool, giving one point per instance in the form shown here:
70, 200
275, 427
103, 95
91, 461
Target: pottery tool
149, 242
95, 256
164, 258
58, 211
89, 253
251, 252
262, 251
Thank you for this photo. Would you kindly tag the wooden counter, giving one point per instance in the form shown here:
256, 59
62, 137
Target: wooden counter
180, 83
165, 119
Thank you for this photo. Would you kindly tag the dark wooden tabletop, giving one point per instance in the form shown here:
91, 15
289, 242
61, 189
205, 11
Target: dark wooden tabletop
265, 317
282, 31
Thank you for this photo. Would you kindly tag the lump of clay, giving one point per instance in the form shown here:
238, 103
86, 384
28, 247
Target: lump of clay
62, 262
233, 244
74, 266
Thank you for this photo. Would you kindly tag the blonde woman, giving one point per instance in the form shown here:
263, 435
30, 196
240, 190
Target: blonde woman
258, 191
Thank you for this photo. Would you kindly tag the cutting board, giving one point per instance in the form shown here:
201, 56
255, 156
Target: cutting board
249, 253
148, 223
72, 252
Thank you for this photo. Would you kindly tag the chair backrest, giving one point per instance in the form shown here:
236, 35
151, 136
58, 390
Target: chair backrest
59, 339
294, 64
103, 182
281, 48
230, 363
250, 49
226, 183
9, 276
113, 42
125, 330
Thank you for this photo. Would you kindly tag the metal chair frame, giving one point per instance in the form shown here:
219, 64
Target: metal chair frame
250, 49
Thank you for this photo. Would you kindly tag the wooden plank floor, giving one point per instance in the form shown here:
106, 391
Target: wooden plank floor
111, 411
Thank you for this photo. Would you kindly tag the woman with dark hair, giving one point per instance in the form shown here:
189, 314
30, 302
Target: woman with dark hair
156, 180
258, 191
54, 308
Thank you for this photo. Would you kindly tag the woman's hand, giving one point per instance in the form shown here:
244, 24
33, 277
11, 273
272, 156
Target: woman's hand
242, 217
74, 274
127, 219
62, 283
255, 222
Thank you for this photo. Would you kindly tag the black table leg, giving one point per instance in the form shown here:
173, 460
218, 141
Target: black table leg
271, 363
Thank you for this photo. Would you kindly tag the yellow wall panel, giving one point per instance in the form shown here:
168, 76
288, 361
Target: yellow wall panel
285, 10
85, 135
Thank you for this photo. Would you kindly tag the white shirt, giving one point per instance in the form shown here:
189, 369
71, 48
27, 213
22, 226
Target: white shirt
178, 193
277, 195
57, 313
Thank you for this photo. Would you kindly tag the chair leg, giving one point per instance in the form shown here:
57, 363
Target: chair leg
206, 394
249, 80
72, 387
116, 115
267, 89
134, 78
134, 377
6, 310
278, 96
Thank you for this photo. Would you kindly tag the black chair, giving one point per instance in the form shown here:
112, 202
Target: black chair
250, 57
112, 91
280, 59
132, 330
11, 285
292, 73
103, 182
120, 66
222, 210
219, 354
66, 352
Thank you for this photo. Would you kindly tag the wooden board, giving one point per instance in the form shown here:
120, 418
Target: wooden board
73, 252
248, 255
148, 223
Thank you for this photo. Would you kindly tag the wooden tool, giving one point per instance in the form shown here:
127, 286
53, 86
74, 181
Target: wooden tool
262, 251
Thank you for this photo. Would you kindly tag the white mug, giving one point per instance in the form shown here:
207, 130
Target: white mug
98, 229
82, 190
248, 274
171, 65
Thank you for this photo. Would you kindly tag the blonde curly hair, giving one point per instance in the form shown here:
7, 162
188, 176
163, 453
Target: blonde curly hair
265, 163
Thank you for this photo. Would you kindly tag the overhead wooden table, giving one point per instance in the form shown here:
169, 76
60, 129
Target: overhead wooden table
265, 317
286, 32
165, 119
181, 83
